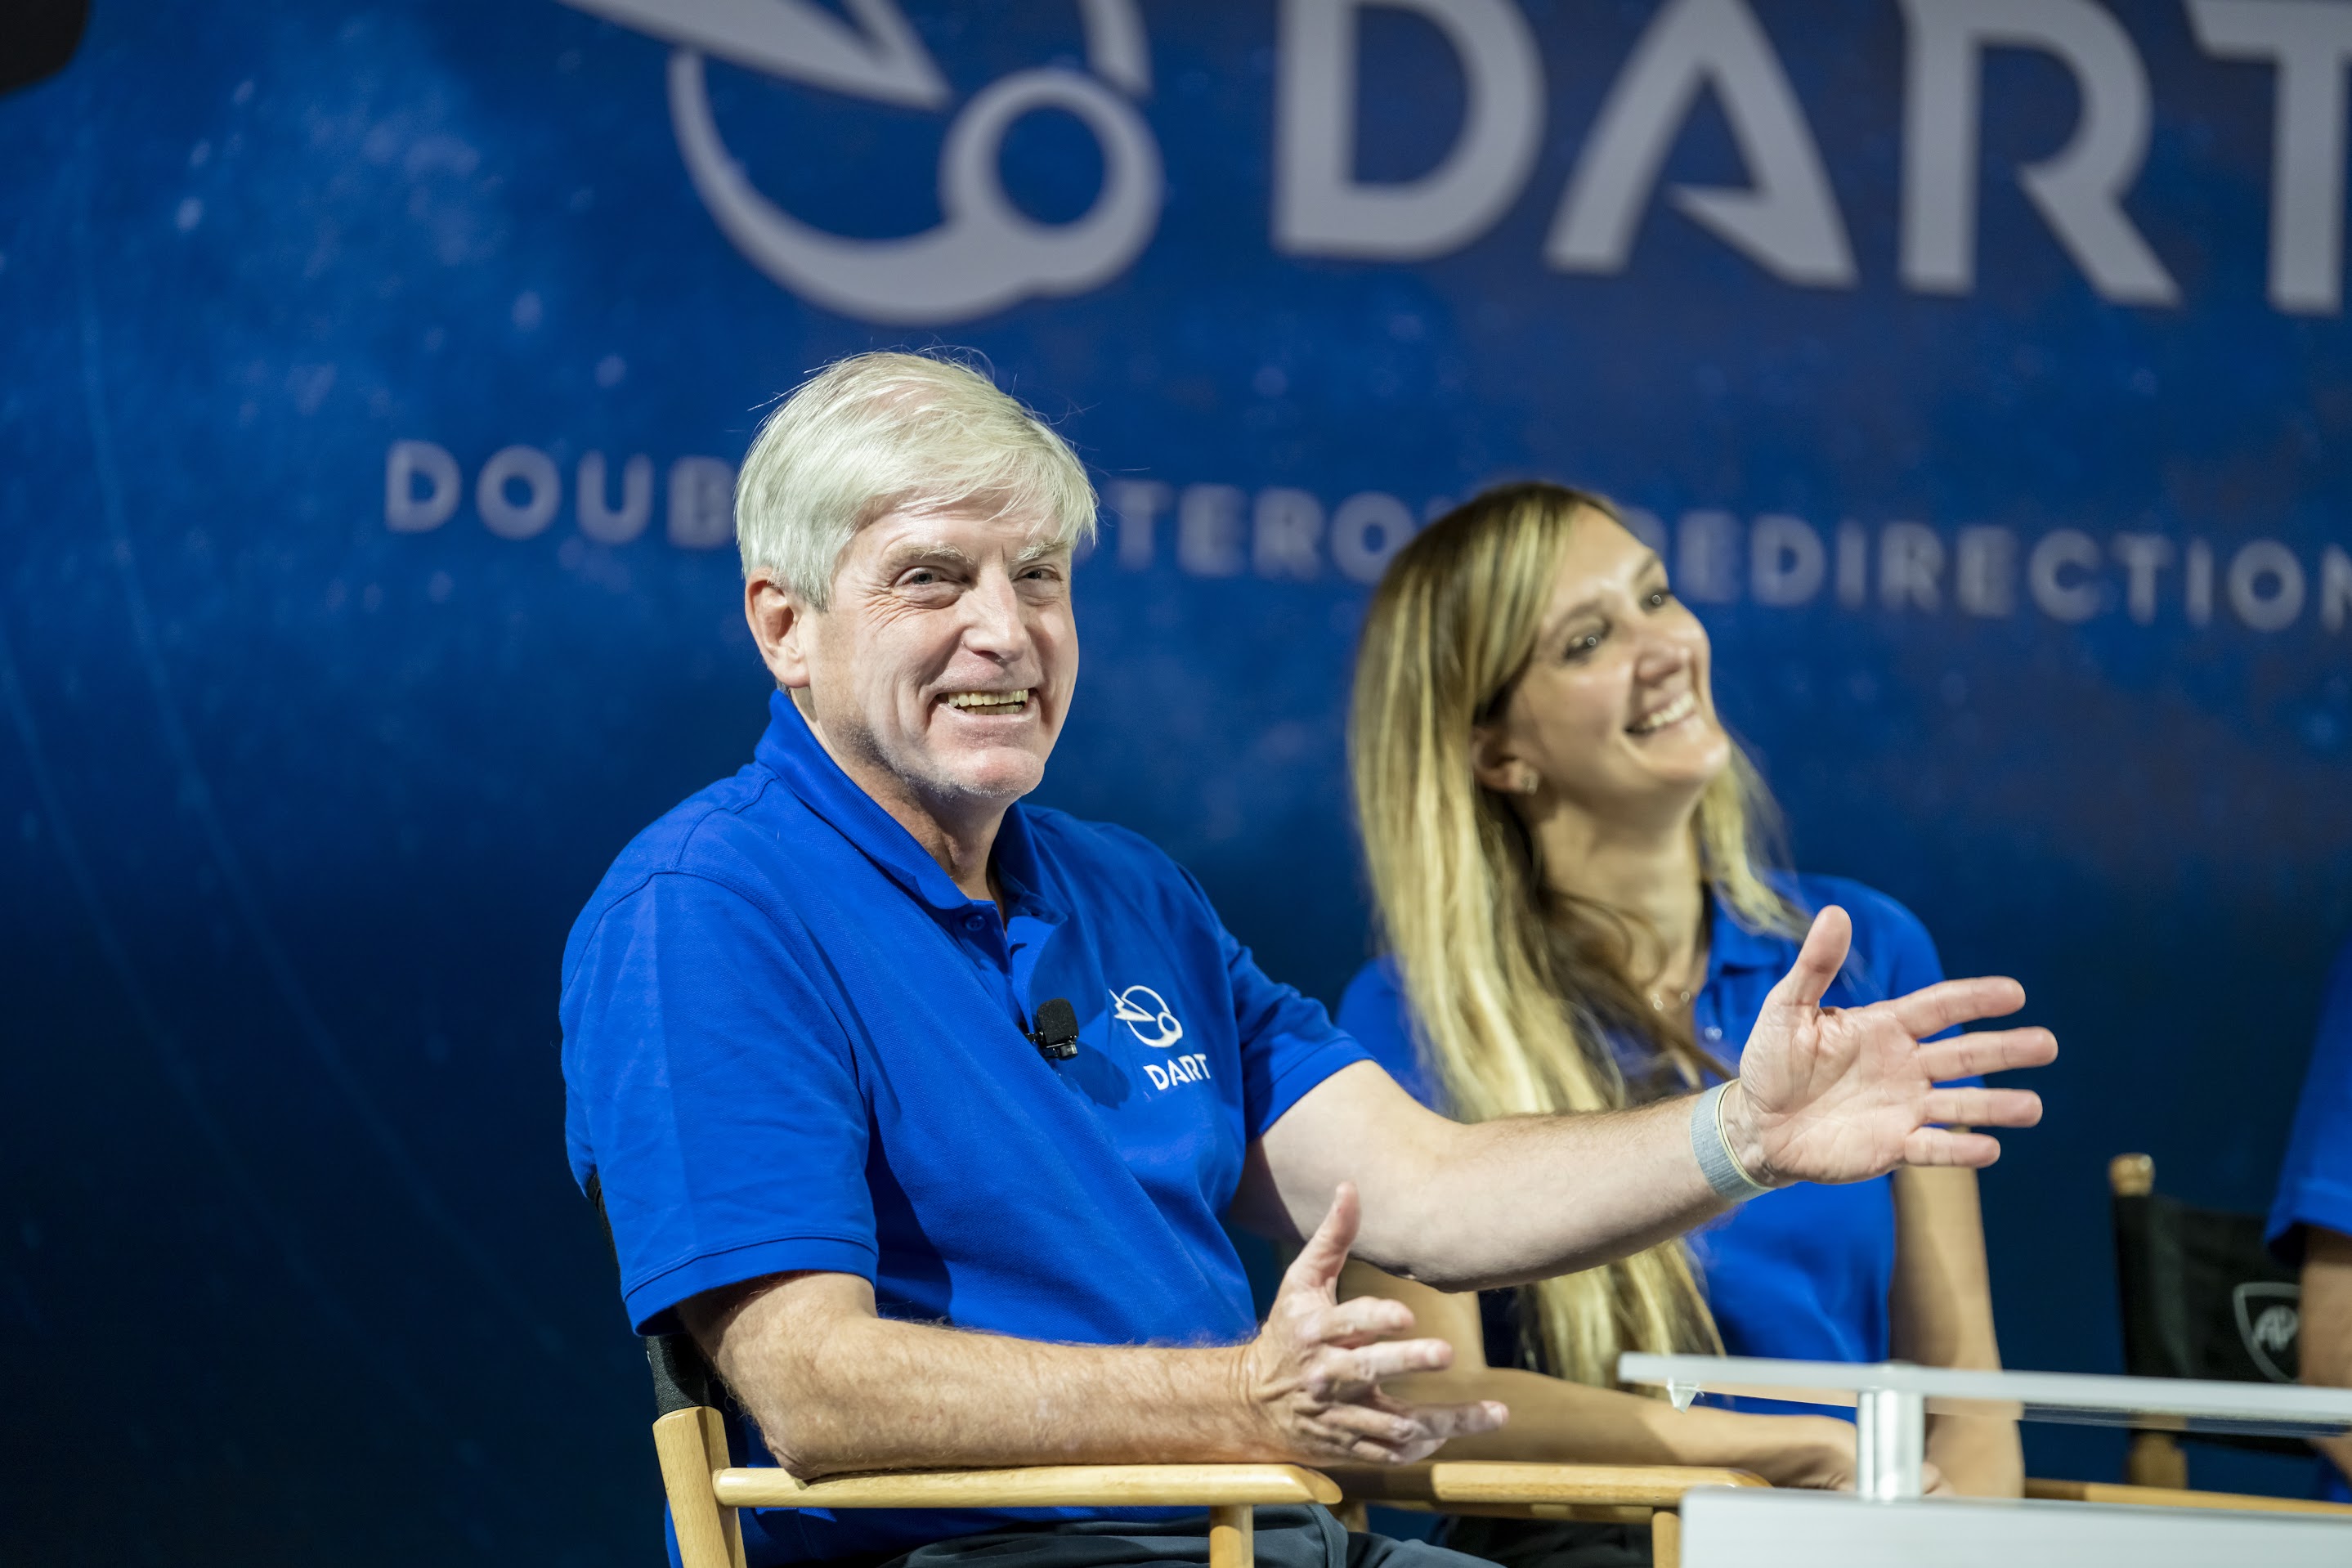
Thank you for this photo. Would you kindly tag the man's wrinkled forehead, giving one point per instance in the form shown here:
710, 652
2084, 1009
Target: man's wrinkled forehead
962, 533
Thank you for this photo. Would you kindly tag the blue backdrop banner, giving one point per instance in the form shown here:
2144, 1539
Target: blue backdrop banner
374, 378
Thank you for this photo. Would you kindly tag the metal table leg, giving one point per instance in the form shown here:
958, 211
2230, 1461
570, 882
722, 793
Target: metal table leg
1890, 1436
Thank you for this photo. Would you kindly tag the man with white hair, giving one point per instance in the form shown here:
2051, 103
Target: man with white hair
811, 1060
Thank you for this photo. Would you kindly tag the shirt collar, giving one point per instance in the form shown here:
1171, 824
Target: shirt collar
791, 752
1018, 870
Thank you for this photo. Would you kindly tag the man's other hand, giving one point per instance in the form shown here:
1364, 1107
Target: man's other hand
1831, 1094
1313, 1374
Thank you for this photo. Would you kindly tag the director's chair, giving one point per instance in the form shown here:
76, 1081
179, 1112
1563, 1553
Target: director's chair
1599, 1494
2200, 1297
705, 1488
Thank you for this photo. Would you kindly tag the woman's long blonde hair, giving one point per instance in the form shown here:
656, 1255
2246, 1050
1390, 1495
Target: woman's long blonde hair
1515, 988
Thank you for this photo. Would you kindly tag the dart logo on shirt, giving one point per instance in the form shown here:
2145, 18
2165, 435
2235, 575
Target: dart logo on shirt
1147, 1017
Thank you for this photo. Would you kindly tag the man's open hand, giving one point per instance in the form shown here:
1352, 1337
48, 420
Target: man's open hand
1831, 1094
1313, 1374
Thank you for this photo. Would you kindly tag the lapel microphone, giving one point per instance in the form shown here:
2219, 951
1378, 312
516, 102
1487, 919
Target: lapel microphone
1056, 1034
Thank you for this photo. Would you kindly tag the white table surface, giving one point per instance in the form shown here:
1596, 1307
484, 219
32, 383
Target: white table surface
1727, 1527
2177, 1404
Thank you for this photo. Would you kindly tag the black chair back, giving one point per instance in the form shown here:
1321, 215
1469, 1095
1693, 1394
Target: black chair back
2201, 1296
682, 1375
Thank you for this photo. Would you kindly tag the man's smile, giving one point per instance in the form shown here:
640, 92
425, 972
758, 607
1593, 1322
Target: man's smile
990, 703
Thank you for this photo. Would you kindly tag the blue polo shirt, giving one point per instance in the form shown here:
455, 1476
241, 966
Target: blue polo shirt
2315, 1184
790, 1042
1804, 1272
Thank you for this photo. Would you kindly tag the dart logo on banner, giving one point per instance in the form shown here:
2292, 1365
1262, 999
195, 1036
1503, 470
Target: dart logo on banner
987, 254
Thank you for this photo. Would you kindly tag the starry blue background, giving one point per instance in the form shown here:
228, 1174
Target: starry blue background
297, 809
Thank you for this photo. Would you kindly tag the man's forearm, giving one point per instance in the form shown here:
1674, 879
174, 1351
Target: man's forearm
851, 1391
1456, 1227
1574, 1191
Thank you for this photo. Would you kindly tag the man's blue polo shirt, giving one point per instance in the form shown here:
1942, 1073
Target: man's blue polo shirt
2315, 1184
1804, 1273
790, 1042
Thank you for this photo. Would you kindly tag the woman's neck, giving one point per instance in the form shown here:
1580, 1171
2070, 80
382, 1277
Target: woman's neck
1650, 874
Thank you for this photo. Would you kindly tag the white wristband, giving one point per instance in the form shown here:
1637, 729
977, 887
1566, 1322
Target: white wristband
1724, 1172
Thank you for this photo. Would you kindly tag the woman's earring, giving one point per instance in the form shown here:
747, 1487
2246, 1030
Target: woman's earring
1529, 782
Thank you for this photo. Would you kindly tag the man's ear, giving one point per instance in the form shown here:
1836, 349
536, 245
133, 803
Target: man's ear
779, 625
1493, 764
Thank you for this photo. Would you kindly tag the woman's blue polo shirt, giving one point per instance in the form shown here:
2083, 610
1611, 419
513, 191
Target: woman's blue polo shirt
790, 1042
1803, 1273
2315, 1183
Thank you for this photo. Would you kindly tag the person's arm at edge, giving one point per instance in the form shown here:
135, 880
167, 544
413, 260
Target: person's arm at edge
1554, 1421
1941, 1315
1941, 1303
2328, 1324
833, 1387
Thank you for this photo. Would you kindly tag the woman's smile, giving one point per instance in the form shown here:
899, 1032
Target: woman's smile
1681, 708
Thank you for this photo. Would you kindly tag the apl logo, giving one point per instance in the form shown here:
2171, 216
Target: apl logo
1141, 1008
2269, 1324
987, 254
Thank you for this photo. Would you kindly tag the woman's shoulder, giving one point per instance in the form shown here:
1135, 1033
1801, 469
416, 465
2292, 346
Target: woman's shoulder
1875, 914
1376, 980
1374, 1010
1891, 944
1374, 1005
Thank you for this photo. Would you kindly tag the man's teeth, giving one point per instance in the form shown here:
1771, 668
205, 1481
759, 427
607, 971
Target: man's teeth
1674, 712
989, 698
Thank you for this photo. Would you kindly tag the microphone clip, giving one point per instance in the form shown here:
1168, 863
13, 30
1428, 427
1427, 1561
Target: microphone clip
1056, 1034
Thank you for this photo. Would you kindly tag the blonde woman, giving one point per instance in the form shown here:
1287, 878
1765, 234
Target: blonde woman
1565, 851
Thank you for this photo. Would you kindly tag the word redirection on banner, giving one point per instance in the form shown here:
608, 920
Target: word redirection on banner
1285, 533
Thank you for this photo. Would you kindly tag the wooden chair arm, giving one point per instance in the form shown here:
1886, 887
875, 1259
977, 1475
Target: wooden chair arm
704, 1491
1037, 1486
1497, 1482
2172, 1497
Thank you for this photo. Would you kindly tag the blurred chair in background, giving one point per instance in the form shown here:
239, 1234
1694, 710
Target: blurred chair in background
2201, 1297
